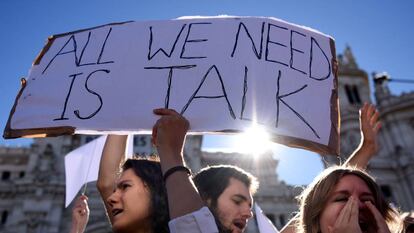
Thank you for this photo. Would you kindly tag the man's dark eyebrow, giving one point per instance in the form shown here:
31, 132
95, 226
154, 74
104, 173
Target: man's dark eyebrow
244, 198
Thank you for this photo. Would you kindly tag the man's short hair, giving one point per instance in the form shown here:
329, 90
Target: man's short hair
213, 180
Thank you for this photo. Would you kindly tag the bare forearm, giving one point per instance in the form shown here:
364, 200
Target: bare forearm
112, 156
368, 147
183, 197
361, 156
290, 227
75, 229
169, 137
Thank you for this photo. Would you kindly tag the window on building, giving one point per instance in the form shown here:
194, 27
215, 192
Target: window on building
4, 216
282, 220
353, 94
21, 174
412, 122
386, 190
271, 217
140, 141
76, 141
356, 94
89, 139
349, 94
5, 175
48, 150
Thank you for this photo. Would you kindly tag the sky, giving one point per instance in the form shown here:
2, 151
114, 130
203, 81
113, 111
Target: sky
379, 32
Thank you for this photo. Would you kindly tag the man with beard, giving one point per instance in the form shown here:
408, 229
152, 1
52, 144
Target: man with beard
227, 191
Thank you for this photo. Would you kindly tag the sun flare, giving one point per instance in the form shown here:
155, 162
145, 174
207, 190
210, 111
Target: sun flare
254, 141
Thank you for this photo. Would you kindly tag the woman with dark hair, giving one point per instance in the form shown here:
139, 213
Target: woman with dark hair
345, 199
137, 200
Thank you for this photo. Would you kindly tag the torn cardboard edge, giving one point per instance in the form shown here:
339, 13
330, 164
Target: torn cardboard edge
7, 129
330, 149
305, 144
10, 133
39, 132
66, 130
334, 138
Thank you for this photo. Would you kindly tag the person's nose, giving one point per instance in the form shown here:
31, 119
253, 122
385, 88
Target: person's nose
247, 212
361, 204
113, 198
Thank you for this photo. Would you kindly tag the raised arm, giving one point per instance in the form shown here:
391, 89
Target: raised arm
80, 215
169, 135
369, 125
290, 227
113, 155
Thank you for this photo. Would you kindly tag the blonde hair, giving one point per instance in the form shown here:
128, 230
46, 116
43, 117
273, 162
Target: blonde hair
316, 195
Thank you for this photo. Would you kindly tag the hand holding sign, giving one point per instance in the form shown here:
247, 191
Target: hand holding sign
221, 73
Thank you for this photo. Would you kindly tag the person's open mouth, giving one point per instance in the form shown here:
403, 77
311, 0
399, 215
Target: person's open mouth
363, 225
240, 224
115, 212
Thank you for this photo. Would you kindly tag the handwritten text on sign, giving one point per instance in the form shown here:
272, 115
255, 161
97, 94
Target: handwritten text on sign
220, 73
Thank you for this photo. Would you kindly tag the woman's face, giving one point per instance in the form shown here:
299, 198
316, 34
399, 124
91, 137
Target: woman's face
130, 204
348, 186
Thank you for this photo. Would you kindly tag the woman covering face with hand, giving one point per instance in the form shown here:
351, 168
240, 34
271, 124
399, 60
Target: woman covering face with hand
343, 199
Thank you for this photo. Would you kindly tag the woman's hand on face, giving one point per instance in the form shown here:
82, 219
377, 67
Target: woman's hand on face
379, 220
347, 220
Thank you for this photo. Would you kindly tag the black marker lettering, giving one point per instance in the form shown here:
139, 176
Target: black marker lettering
258, 54
268, 41
103, 48
169, 80
313, 41
279, 98
191, 41
194, 96
74, 47
62, 116
83, 51
244, 93
76, 112
295, 50
161, 49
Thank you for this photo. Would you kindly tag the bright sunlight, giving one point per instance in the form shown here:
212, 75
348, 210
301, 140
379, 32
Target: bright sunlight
254, 141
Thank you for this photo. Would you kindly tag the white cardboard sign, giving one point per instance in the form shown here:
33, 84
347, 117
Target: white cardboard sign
221, 73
